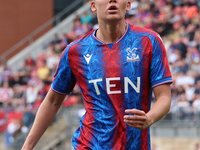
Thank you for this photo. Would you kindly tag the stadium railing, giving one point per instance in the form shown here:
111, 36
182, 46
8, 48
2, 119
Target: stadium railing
61, 130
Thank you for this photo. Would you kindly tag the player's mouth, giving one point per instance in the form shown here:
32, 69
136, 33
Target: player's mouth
112, 9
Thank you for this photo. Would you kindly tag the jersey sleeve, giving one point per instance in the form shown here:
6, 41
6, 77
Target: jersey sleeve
159, 71
64, 80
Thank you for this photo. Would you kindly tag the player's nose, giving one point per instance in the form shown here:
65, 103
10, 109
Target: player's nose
112, 1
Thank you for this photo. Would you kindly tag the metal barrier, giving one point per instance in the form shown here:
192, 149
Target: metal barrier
172, 125
59, 134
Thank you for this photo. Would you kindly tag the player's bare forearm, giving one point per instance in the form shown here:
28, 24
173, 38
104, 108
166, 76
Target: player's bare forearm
163, 103
142, 120
45, 115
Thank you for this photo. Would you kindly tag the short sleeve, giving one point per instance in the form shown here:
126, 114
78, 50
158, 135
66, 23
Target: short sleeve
64, 80
159, 71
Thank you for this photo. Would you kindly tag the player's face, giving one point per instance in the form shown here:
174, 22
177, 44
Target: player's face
110, 10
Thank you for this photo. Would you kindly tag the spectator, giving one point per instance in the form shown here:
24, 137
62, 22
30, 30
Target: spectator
5, 74
133, 10
196, 106
31, 93
13, 126
185, 79
52, 61
78, 28
44, 72
58, 48
56, 40
94, 21
29, 62
23, 74
183, 107
18, 95
86, 17
28, 116
21, 128
197, 89
6, 94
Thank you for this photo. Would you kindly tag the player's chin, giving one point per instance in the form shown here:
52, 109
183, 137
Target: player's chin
114, 17
113, 21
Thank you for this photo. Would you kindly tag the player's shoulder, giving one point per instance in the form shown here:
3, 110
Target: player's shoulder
82, 40
141, 31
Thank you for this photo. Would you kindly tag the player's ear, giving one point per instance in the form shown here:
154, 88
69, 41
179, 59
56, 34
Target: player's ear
128, 6
93, 6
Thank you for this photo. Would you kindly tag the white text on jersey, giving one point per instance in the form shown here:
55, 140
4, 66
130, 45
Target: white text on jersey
127, 82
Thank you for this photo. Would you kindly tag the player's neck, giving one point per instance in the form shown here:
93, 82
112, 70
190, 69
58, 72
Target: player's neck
111, 33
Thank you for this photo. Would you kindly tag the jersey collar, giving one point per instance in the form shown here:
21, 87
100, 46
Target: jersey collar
94, 35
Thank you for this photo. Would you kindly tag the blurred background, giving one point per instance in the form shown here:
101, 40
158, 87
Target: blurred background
33, 34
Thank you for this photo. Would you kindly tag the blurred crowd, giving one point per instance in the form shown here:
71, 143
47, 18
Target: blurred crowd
177, 22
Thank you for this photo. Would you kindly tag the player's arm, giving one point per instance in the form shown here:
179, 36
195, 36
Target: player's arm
141, 120
44, 117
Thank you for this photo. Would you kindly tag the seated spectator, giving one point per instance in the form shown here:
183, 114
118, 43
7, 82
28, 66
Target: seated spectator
6, 94
23, 74
183, 79
77, 18
35, 79
64, 39
12, 127
87, 27
86, 17
52, 61
78, 28
196, 105
71, 36
6, 74
133, 10
29, 61
94, 20
189, 91
31, 93
192, 55
197, 89
43, 72
18, 95
37, 103
56, 40
186, 21
28, 116
58, 48
21, 128
183, 107
192, 12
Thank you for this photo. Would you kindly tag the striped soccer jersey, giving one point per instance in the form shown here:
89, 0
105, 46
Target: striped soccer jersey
112, 78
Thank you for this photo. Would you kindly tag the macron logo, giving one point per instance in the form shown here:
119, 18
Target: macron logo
87, 58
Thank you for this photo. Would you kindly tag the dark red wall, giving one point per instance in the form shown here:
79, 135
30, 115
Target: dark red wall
18, 18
